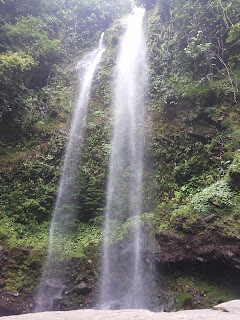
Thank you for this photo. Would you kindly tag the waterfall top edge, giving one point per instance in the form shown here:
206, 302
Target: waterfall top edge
100, 44
135, 6
138, 10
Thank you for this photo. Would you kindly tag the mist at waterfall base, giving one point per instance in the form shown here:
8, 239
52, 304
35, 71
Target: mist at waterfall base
66, 205
122, 281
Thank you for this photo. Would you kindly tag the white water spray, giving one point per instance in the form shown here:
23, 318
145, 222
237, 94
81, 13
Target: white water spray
122, 278
66, 203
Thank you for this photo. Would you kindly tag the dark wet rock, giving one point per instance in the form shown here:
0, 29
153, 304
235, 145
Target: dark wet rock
2, 283
210, 218
203, 131
207, 247
82, 288
54, 283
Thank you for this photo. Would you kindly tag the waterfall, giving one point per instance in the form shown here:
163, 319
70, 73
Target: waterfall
122, 275
66, 203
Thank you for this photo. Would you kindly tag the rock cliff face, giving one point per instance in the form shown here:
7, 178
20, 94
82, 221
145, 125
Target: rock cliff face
20, 273
203, 248
20, 270
191, 192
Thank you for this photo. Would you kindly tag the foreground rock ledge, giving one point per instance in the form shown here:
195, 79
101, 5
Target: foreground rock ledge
224, 311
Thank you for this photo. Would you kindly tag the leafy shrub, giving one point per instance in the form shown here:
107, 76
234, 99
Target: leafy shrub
76, 244
14, 68
184, 171
30, 235
215, 198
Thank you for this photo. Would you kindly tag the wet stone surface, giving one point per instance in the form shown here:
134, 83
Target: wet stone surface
226, 311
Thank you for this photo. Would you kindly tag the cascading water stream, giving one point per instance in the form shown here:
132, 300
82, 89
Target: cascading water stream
122, 276
66, 203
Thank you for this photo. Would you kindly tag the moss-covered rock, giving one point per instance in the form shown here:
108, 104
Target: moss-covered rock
233, 175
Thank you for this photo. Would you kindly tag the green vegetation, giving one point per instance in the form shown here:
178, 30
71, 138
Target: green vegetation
36, 36
194, 102
192, 158
40, 44
193, 291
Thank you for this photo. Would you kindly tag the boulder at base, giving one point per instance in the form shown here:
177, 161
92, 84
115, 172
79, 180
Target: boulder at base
224, 311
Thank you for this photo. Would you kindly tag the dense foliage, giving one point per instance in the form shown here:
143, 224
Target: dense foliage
38, 35
192, 166
193, 90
